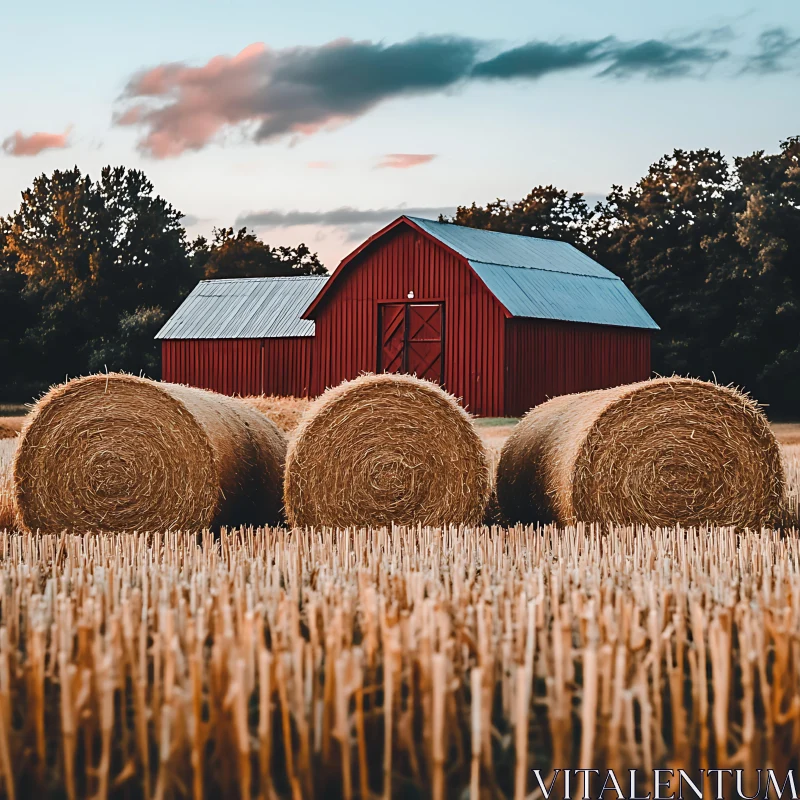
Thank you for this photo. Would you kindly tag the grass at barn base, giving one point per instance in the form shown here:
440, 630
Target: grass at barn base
496, 422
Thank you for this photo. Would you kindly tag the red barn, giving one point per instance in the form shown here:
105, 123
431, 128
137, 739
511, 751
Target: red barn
243, 336
502, 321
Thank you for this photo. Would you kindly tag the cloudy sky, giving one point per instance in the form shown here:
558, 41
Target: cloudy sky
321, 121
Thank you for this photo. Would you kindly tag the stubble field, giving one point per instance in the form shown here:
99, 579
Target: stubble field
393, 662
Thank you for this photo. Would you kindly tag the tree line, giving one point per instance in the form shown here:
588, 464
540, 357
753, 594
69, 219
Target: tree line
711, 248
90, 270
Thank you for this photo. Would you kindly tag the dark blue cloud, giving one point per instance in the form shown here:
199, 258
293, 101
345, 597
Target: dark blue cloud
777, 51
346, 79
356, 222
661, 59
537, 59
269, 94
654, 58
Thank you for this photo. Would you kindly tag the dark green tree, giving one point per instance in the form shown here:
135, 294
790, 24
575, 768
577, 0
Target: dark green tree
131, 348
712, 250
92, 254
18, 314
766, 337
244, 255
672, 238
546, 212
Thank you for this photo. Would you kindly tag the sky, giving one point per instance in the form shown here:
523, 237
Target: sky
322, 121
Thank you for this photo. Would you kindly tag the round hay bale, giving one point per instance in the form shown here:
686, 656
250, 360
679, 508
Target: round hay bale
385, 449
119, 453
662, 452
285, 412
10, 427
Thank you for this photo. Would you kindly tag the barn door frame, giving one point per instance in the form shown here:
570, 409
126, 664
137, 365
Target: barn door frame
406, 328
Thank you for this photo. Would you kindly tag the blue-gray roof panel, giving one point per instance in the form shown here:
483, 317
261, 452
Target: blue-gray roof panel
567, 297
245, 308
512, 250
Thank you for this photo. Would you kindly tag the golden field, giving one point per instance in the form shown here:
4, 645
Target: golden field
393, 662
381, 663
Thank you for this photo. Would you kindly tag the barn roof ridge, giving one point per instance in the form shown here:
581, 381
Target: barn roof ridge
610, 277
488, 230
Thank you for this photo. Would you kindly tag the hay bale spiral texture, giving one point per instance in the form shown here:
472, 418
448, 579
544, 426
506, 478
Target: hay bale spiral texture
383, 449
116, 452
661, 452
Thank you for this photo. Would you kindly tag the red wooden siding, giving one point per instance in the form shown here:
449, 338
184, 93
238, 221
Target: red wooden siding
240, 366
403, 261
545, 358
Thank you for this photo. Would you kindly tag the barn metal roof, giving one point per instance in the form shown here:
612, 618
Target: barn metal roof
245, 308
563, 296
541, 278
513, 250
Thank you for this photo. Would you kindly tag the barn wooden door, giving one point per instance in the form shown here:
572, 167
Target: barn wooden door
424, 343
411, 339
393, 337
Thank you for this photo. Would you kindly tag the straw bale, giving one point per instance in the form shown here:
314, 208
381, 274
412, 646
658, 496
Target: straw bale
10, 427
285, 412
661, 452
117, 452
383, 449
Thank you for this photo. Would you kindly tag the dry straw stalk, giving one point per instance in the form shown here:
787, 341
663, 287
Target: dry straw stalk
383, 449
662, 452
116, 452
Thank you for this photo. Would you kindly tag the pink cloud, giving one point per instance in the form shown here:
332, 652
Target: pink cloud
294, 92
200, 101
320, 165
405, 160
18, 144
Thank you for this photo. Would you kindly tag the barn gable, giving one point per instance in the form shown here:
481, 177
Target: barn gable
407, 303
531, 278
